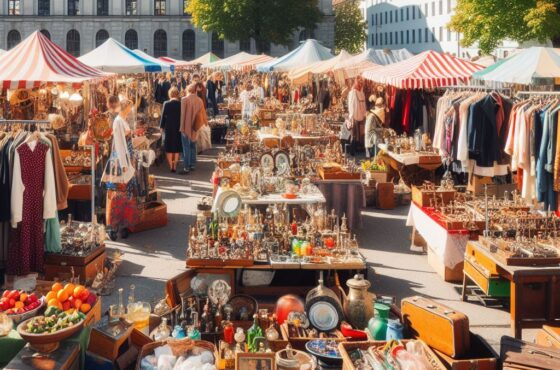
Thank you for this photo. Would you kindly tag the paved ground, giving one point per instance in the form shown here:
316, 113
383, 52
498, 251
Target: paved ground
152, 257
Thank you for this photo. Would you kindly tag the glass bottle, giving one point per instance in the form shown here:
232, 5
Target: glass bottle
253, 332
162, 331
193, 332
272, 332
122, 310
228, 333
131, 294
377, 325
239, 337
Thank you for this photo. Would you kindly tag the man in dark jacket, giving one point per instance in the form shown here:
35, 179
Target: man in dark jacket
161, 90
211, 88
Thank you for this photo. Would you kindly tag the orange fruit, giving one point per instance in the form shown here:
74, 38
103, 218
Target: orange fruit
62, 295
50, 295
78, 291
69, 289
55, 303
23, 297
77, 304
85, 307
56, 287
19, 304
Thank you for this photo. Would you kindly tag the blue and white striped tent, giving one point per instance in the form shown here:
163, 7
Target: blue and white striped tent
165, 67
308, 52
112, 56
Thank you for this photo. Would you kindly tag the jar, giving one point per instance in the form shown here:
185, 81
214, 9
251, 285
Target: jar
394, 330
377, 325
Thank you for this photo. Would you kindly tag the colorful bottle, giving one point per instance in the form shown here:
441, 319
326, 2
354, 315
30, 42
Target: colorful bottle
253, 332
377, 325
228, 333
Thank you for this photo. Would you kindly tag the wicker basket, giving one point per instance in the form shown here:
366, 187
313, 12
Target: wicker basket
178, 347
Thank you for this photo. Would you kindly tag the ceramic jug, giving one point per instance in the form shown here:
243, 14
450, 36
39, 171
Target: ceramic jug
377, 326
357, 304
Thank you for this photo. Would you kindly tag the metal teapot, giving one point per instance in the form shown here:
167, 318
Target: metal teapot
358, 304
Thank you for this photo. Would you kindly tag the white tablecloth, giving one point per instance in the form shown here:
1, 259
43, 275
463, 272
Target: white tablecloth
277, 198
449, 247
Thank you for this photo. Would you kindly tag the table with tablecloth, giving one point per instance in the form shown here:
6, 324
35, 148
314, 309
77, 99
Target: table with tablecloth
345, 197
448, 245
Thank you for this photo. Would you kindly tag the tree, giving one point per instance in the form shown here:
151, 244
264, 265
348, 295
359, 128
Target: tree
349, 27
491, 22
265, 21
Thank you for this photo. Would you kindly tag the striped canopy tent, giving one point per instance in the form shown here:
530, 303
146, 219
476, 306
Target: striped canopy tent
204, 59
37, 61
2, 52
237, 60
304, 74
252, 64
310, 51
531, 66
427, 70
165, 67
112, 56
370, 58
174, 62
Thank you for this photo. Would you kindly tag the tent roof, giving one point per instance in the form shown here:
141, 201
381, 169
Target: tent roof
174, 62
165, 67
112, 56
524, 68
308, 52
37, 60
429, 69
228, 62
204, 59
377, 57
251, 64
301, 75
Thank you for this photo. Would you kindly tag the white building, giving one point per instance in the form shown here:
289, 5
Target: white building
416, 25
159, 27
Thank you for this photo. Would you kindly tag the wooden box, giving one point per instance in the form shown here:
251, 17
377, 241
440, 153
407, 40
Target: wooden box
385, 195
454, 274
548, 336
492, 285
480, 357
299, 342
423, 197
346, 349
59, 267
516, 354
103, 342
338, 174
476, 185
152, 216
379, 176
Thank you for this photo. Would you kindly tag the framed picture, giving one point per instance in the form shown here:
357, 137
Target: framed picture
255, 361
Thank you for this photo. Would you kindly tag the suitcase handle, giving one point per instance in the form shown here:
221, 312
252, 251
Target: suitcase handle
537, 352
433, 307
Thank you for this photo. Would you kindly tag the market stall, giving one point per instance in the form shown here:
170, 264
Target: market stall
302, 75
310, 51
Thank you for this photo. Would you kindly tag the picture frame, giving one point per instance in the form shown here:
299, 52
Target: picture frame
255, 361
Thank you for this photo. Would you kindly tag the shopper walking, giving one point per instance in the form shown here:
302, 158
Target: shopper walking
170, 124
248, 102
161, 90
357, 113
200, 89
192, 110
211, 88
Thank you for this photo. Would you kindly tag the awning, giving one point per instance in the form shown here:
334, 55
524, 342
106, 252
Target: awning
252, 64
37, 61
174, 62
112, 56
308, 52
234, 61
165, 67
427, 70
302, 75
204, 59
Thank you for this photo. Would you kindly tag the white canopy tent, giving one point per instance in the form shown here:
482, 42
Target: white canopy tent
304, 74
229, 62
308, 52
165, 67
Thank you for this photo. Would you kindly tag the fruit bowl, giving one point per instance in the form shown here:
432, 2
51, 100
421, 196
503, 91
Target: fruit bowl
47, 342
19, 317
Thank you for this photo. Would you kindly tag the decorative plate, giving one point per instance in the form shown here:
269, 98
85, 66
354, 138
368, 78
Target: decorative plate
282, 163
229, 203
323, 316
219, 292
267, 161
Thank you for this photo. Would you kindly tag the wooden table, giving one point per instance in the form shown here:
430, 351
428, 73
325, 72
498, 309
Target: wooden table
414, 168
534, 290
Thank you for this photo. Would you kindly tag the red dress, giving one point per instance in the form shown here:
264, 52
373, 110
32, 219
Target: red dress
26, 250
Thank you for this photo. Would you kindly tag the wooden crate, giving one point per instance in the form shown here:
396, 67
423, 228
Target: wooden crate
379, 176
422, 197
152, 216
491, 285
107, 345
385, 195
346, 348
59, 267
299, 342
548, 336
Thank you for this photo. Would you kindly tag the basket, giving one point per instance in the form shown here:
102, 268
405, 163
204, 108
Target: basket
178, 347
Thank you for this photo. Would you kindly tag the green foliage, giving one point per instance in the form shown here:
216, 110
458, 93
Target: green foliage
273, 21
489, 22
350, 29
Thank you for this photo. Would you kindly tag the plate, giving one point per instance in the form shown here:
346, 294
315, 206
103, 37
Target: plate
219, 292
229, 203
308, 151
267, 161
323, 316
282, 163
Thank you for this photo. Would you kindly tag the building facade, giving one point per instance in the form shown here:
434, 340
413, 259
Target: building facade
417, 25
158, 27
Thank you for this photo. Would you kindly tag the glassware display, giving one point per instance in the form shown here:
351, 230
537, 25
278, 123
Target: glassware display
161, 332
138, 313
377, 325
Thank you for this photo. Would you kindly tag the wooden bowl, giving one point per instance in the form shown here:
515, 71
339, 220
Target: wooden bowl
47, 342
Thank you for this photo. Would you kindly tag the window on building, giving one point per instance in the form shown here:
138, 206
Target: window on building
433, 34
159, 7
419, 35
160, 43
386, 39
448, 6
426, 34
375, 43
46, 33
419, 12
100, 37
103, 7
440, 7
407, 37
413, 36
390, 38
73, 7
448, 34
396, 38
44, 7
396, 15
372, 40
376, 19
245, 45
413, 12
73, 43
407, 13
131, 7
14, 38
217, 45
372, 20
433, 8
386, 18
390, 17
189, 45
402, 37
402, 14
426, 10
14, 7
131, 39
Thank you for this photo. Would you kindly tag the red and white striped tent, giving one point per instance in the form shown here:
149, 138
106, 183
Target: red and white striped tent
427, 70
175, 62
37, 61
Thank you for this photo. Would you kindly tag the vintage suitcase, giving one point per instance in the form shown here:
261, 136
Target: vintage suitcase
385, 195
516, 354
548, 336
480, 357
441, 327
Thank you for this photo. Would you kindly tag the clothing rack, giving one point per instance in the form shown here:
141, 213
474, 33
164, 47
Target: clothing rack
541, 93
479, 88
